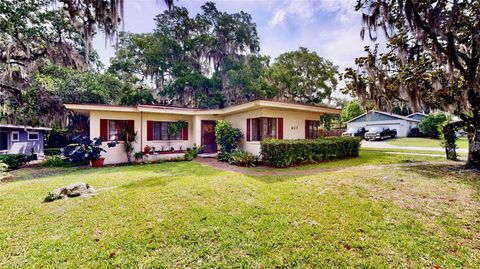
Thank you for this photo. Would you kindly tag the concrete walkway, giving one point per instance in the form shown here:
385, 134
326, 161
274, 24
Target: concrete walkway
385, 145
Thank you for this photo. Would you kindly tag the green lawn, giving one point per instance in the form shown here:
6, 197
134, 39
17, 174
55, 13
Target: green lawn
368, 156
177, 215
462, 142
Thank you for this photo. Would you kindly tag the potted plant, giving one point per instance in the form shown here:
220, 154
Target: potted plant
84, 149
139, 156
173, 129
130, 136
147, 149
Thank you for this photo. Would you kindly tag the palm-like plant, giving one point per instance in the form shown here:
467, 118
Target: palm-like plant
130, 139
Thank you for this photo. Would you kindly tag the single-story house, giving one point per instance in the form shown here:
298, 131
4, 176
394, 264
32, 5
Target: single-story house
16, 139
383, 119
257, 120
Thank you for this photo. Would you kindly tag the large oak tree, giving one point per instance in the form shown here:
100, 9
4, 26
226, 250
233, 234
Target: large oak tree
433, 59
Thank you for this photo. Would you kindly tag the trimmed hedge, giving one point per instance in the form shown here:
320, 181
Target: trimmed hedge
284, 153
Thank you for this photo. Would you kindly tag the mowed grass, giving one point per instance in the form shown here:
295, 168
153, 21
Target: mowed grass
462, 142
177, 215
368, 156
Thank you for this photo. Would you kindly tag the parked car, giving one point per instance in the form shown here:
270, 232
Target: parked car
355, 132
380, 133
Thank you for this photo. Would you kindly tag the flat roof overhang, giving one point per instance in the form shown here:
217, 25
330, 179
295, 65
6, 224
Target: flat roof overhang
258, 104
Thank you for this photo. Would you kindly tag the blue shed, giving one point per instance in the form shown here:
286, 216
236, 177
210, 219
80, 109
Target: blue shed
16, 139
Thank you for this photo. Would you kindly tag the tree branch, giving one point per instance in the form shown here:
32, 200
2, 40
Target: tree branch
451, 52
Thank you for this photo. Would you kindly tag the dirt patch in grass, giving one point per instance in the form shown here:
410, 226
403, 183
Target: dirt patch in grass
38, 171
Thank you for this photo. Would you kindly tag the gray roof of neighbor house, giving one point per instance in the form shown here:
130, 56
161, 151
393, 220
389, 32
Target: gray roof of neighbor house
417, 115
24, 127
388, 116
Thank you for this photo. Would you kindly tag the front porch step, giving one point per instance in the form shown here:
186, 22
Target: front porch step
208, 155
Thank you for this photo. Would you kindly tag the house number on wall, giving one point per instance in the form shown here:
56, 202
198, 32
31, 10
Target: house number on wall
294, 128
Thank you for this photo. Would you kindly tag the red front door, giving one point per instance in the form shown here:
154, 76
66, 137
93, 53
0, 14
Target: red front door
209, 141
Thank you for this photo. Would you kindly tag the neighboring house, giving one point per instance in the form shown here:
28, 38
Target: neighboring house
417, 116
383, 119
257, 120
22, 139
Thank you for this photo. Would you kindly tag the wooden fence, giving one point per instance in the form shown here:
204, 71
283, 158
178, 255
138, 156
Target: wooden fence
331, 132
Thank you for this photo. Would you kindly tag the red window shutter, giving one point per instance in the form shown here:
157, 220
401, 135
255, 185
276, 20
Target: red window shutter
248, 129
131, 123
280, 128
185, 132
104, 130
149, 130
307, 133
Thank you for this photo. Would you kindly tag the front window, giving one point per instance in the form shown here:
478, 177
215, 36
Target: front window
115, 130
160, 131
264, 128
312, 126
32, 136
15, 136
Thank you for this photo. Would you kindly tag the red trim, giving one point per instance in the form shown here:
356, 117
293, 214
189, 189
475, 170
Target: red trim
185, 132
202, 123
307, 129
149, 130
104, 130
131, 123
249, 132
280, 128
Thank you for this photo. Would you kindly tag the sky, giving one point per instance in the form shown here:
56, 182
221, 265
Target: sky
329, 27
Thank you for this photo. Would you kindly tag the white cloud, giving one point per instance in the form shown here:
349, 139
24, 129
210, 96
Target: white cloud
278, 18
309, 11
299, 11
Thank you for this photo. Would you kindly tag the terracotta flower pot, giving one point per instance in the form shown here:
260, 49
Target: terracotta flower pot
97, 163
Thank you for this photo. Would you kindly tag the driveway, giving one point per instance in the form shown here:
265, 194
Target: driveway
385, 145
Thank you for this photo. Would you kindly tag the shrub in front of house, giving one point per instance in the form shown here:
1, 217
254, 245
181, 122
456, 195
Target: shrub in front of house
52, 151
285, 153
191, 153
228, 138
54, 161
14, 160
430, 124
243, 158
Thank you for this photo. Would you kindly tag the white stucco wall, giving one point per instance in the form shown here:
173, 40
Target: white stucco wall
197, 126
293, 128
116, 154
176, 144
293, 124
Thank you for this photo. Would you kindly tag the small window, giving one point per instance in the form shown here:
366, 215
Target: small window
160, 131
116, 130
32, 136
15, 136
312, 131
264, 128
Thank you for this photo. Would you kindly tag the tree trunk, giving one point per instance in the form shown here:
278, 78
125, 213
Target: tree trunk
473, 160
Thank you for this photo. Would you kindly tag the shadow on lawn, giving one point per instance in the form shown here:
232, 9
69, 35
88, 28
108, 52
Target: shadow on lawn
450, 172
